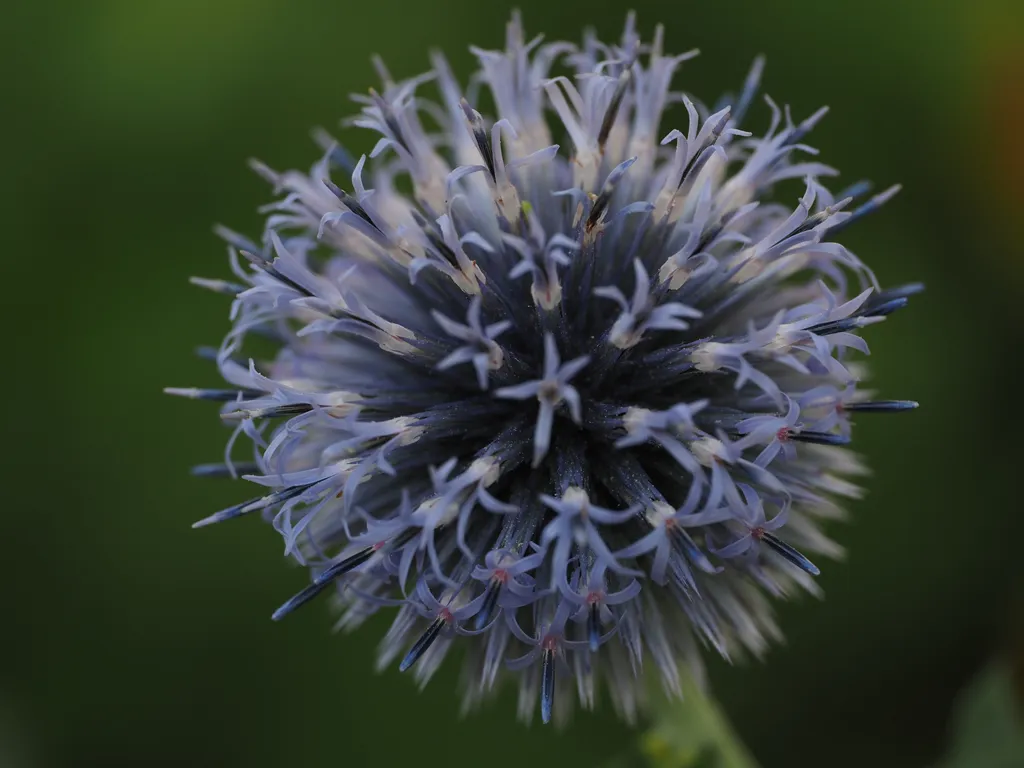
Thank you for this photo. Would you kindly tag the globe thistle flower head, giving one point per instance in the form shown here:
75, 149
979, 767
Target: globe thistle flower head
571, 405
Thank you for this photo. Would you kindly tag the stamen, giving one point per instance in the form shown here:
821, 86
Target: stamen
880, 406
334, 572
217, 286
268, 266
886, 307
348, 564
701, 156
480, 136
299, 599
223, 470
789, 553
613, 105
600, 203
839, 326
870, 206
902, 292
817, 438
221, 395
483, 617
207, 353
594, 626
420, 647
253, 505
547, 683
350, 202
270, 412
388, 115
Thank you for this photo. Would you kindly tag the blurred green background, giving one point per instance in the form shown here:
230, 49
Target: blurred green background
131, 640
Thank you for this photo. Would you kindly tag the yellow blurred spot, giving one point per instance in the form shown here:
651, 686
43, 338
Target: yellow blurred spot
656, 747
663, 754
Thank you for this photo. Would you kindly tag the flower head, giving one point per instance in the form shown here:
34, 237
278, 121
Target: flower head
560, 404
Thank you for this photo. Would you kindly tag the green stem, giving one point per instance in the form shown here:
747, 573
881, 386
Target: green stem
693, 732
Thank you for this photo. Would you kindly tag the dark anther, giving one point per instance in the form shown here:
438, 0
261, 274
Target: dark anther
881, 406
426, 640
789, 553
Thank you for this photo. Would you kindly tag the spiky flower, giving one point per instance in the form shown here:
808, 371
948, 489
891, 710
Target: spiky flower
555, 403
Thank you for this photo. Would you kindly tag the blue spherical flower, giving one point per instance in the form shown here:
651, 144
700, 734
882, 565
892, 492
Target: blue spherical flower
563, 405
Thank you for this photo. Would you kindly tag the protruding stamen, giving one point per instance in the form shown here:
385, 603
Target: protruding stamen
299, 599
270, 412
207, 353
846, 324
217, 286
886, 307
223, 470
613, 106
390, 120
220, 395
594, 626
797, 132
420, 647
700, 157
818, 438
855, 190
750, 87
326, 578
268, 266
350, 202
336, 154
870, 206
789, 553
600, 203
490, 603
889, 295
348, 564
480, 136
547, 684
253, 505
880, 406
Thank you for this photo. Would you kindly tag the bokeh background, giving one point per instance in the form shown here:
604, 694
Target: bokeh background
130, 640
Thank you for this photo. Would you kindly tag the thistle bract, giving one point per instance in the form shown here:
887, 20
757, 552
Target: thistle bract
572, 406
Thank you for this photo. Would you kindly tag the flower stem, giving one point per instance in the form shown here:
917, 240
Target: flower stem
693, 732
